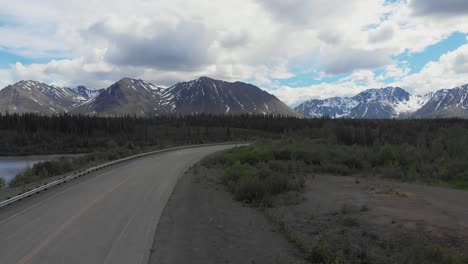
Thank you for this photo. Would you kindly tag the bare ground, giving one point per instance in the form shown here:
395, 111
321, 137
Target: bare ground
203, 224
385, 203
380, 220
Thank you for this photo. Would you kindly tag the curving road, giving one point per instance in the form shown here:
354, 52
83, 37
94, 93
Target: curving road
108, 217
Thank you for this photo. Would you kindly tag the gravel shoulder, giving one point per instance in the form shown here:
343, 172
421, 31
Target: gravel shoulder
201, 223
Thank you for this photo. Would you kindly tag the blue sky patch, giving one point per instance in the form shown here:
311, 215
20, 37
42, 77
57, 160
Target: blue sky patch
8, 58
416, 61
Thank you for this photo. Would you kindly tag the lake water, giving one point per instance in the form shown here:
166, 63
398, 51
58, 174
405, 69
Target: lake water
10, 166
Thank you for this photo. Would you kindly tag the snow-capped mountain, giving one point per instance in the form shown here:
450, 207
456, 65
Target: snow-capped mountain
391, 102
138, 97
36, 97
127, 96
206, 95
446, 103
86, 93
333, 107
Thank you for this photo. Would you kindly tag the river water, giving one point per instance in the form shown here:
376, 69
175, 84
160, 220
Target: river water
10, 166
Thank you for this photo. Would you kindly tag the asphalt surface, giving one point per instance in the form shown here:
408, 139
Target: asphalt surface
107, 217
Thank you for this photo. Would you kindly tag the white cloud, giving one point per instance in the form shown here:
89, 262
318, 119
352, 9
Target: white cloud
395, 71
5, 77
346, 61
437, 7
449, 71
383, 33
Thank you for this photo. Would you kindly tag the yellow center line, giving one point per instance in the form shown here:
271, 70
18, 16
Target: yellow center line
72, 219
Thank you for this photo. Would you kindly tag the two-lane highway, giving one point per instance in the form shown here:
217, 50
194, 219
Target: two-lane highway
108, 218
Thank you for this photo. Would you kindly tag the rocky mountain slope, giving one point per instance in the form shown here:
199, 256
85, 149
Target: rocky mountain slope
445, 103
391, 102
206, 95
127, 96
36, 97
87, 93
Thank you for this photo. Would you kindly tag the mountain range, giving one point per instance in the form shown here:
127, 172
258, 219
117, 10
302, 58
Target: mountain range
141, 98
206, 95
391, 102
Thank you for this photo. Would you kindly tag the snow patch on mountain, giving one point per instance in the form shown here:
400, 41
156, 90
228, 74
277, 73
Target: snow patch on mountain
390, 102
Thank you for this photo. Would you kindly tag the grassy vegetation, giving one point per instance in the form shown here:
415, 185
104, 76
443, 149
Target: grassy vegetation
267, 162
253, 175
256, 174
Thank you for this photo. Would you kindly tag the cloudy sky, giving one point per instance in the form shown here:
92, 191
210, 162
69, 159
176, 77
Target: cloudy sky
296, 49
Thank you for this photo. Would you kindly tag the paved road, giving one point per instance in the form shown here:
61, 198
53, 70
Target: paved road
109, 217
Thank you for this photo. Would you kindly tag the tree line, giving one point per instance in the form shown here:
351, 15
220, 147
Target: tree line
65, 133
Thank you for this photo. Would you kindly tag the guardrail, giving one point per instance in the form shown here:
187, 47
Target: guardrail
78, 174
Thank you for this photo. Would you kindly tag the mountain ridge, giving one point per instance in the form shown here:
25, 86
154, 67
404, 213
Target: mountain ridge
206, 95
209, 95
391, 102
141, 98
37, 97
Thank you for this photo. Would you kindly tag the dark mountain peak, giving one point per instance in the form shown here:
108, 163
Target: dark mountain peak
203, 80
27, 84
126, 79
207, 95
135, 85
206, 78
81, 89
126, 96
86, 93
462, 87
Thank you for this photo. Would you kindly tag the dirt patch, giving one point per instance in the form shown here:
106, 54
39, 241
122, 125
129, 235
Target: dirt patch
203, 224
377, 221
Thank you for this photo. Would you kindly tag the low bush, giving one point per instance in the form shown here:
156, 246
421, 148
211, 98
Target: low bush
47, 169
399, 162
257, 184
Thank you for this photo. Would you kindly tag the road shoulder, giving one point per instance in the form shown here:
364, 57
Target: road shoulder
201, 223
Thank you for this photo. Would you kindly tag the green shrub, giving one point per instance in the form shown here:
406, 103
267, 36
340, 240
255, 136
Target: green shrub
258, 184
